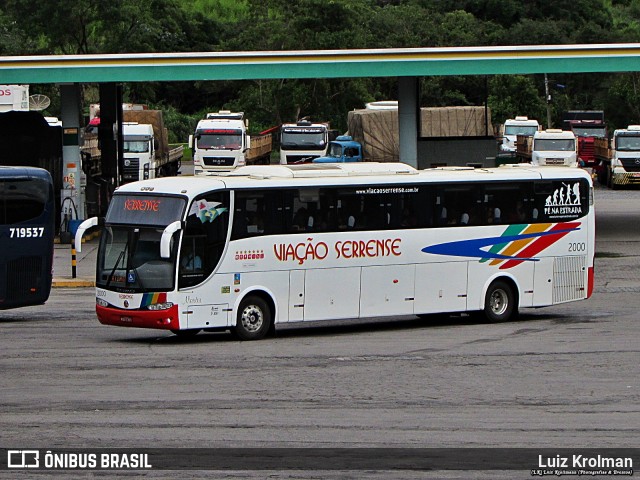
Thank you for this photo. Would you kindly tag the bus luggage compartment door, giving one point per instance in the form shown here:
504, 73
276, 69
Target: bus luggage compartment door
331, 294
208, 316
441, 287
387, 290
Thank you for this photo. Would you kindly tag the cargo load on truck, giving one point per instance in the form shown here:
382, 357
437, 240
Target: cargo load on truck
378, 131
143, 132
146, 149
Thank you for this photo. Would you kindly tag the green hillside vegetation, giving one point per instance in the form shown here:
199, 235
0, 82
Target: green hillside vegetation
87, 26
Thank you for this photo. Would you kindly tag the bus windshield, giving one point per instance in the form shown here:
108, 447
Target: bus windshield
129, 254
129, 259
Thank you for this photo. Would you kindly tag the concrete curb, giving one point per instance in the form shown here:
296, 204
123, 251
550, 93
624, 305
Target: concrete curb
72, 283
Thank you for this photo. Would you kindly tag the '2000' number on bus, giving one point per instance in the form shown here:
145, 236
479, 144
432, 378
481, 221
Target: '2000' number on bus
26, 232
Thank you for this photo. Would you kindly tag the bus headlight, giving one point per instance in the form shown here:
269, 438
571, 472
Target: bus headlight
101, 303
160, 306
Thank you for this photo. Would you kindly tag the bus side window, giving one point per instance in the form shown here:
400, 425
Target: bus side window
203, 239
239, 229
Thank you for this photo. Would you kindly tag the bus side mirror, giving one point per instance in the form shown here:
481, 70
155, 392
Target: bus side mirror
165, 241
83, 227
191, 141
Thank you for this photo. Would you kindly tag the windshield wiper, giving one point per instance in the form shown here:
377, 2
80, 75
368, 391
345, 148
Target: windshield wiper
115, 266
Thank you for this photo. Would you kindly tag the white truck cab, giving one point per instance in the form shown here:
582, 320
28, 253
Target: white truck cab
625, 155
303, 141
514, 127
220, 142
555, 147
139, 151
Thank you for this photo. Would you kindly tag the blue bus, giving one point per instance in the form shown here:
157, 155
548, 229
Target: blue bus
27, 230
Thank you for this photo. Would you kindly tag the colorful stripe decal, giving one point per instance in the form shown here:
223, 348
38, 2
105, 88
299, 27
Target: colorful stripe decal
151, 298
518, 243
551, 237
511, 230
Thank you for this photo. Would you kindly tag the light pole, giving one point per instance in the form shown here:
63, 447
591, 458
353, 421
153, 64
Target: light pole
548, 95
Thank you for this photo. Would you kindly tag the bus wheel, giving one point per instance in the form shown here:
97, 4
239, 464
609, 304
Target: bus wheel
186, 333
499, 302
254, 319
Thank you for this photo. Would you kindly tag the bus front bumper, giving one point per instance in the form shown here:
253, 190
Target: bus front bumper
160, 319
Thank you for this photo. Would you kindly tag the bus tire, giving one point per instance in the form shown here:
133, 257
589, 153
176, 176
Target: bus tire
254, 319
499, 302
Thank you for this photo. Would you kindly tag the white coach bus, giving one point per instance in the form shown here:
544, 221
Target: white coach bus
266, 245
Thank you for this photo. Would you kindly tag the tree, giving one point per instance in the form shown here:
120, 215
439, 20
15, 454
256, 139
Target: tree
89, 26
512, 95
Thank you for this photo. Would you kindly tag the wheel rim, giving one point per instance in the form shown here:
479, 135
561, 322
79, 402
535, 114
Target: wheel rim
498, 302
252, 318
